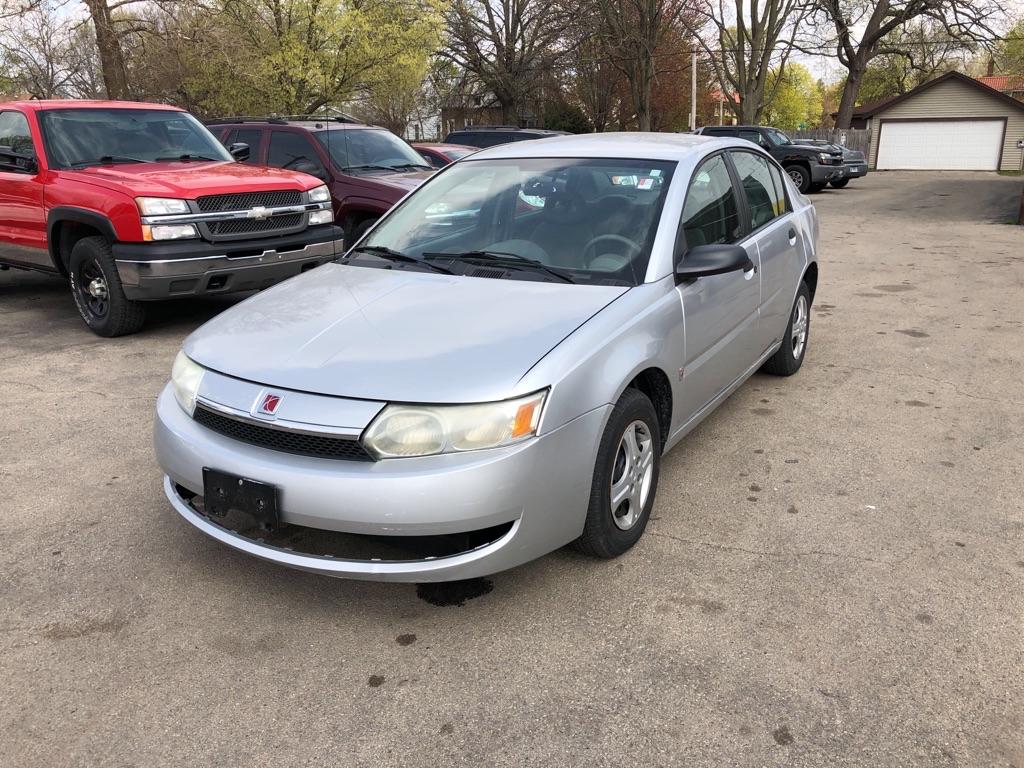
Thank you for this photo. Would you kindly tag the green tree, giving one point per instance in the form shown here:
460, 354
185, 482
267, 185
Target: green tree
797, 102
1009, 51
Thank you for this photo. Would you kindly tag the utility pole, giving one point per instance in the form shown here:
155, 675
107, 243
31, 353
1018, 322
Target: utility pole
693, 89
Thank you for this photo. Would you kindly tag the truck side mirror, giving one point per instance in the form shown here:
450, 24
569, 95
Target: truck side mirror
240, 151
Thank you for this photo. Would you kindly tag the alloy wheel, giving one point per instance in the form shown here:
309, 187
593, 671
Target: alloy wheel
799, 332
632, 472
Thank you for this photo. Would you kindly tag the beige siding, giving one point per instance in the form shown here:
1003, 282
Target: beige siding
957, 100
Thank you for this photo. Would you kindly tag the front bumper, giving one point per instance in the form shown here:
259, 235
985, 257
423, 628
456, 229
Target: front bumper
856, 170
821, 174
151, 271
540, 487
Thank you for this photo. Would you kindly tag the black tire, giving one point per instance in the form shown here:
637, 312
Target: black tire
840, 183
109, 313
358, 231
819, 186
602, 535
787, 361
801, 176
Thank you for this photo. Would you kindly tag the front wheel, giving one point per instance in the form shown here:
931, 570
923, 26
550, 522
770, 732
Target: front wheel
625, 478
800, 176
840, 183
790, 356
96, 288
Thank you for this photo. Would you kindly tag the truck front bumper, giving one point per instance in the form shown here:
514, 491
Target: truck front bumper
822, 174
151, 271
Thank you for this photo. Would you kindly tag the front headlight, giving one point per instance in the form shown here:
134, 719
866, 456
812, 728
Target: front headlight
186, 376
823, 158
161, 206
326, 216
422, 430
168, 232
319, 194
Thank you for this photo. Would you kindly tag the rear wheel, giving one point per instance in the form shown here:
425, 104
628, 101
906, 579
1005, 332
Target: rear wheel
625, 478
790, 356
358, 231
839, 183
800, 176
96, 288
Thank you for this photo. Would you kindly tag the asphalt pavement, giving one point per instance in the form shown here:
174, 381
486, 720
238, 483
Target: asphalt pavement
833, 574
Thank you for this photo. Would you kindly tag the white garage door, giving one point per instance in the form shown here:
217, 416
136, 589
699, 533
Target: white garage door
940, 145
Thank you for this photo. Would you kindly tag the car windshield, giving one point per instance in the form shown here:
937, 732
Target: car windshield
369, 149
577, 220
78, 138
778, 136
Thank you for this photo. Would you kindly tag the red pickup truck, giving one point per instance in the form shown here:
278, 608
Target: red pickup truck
135, 202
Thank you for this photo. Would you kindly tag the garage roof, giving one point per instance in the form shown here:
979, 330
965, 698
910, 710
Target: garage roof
868, 110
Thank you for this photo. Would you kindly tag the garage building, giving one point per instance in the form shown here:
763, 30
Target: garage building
950, 123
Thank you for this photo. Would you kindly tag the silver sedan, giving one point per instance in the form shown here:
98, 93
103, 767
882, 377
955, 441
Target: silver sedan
497, 368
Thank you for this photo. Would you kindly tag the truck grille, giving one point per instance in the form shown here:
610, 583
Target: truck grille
318, 446
246, 200
253, 226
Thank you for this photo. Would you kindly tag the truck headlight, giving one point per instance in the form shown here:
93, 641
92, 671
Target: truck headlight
421, 430
168, 232
186, 376
824, 158
326, 216
161, 206
319, 194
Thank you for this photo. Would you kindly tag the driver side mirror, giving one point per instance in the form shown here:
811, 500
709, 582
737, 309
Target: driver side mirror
240, 151
717, 259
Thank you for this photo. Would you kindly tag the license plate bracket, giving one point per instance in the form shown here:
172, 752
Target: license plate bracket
239, 503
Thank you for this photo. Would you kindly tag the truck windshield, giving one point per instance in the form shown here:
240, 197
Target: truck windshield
576, 220
778, 137
78, 138
369, 149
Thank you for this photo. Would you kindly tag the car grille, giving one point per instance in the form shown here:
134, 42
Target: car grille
245, 200
251, 226
286, 441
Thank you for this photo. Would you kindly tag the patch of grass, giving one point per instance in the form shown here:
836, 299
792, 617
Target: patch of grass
1011, 173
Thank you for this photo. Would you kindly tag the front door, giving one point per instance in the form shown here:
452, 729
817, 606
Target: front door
720, 312
22, 219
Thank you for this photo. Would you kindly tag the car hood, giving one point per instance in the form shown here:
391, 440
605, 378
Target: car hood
396, 335
190, 179
406, 182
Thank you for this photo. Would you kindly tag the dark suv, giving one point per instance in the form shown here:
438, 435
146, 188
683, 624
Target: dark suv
492, 135
811, 168
367, 168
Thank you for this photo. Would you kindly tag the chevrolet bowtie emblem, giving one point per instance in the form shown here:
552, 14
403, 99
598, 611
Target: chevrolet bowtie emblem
259, 212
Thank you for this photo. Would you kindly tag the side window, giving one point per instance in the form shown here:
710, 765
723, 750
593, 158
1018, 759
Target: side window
250, 136
780, 187
711, 214
753, 137
293, 151
15, 137
763, 198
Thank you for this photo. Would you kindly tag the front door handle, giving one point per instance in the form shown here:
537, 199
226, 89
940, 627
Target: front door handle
792, 236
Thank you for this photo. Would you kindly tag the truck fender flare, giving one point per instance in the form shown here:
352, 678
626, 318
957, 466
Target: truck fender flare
66, 213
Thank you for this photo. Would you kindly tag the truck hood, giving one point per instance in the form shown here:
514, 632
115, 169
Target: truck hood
405, 182
189, 180
400, 336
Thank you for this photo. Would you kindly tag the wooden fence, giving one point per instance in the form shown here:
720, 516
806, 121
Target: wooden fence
855, 138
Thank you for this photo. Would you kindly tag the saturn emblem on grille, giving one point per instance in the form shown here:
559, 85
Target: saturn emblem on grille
259, 213
268, 404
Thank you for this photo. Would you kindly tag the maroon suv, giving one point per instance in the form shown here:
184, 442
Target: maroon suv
367, 168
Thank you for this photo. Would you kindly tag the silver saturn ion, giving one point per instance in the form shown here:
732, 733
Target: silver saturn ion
497, 368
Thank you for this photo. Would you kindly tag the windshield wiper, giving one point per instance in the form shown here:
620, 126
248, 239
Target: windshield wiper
368, 168
187, 156
404, 258
413, 165
107, 160
504, 258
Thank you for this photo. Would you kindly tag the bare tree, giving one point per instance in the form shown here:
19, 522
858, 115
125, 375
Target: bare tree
633, 34
747, 41
864, 30
509, 45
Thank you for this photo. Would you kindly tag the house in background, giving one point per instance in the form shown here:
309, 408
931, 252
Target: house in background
1011, 85
953, 122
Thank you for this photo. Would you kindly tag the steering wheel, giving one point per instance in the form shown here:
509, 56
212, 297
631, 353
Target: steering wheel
624, 247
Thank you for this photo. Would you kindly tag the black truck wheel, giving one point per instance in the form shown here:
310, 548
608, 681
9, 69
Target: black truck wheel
96, 288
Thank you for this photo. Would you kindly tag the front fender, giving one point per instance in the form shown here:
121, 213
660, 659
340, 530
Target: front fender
592, 367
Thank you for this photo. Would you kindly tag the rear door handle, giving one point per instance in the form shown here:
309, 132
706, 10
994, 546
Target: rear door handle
792, 236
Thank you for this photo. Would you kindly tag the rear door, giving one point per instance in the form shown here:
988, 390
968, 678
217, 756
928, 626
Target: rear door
22, 218
776, 240
721, 311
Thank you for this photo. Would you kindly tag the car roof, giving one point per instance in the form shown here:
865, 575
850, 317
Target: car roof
40, 105
442, 145
625, 146
504, 128
306, 124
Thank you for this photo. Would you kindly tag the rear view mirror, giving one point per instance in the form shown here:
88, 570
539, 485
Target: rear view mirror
240, 151
707, 260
